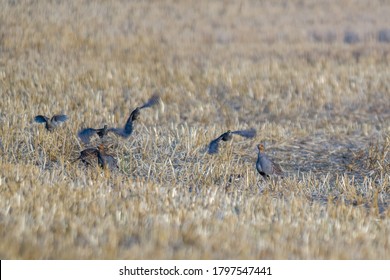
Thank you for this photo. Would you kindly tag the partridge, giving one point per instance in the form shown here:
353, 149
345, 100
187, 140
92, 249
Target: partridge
50, 123
265, 166
227, 136
126, 131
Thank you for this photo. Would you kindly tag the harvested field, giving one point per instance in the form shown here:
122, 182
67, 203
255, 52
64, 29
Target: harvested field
312, 77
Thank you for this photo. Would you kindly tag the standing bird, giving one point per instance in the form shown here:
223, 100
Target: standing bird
86, 133
213, 146
126, 131
50, 124
265, 166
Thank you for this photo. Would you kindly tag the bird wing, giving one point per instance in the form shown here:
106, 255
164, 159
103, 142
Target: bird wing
277, 169
86, 153
213, 146
120, 132
59, 118
40, 119
268, 166
152, 101
86, 134
250, 133
134, 115
128, 129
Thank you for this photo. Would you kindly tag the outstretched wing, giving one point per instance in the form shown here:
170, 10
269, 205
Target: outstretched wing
126, 131
134, 115
120, 132
86, 134
250, 133
152, 101
40, 119
213, 146
59, 118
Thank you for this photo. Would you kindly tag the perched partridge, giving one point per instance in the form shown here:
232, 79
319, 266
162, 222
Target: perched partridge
265, 166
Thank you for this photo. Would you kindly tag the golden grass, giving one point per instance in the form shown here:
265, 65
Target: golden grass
321, 106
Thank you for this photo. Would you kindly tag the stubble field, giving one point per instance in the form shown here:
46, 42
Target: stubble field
312, 77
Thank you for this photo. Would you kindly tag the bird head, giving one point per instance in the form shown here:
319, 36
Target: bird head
101, 148
260, 147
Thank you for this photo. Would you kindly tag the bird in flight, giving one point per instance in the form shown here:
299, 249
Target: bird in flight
86, 133
51, 123
227, 136
265, 166
126, 131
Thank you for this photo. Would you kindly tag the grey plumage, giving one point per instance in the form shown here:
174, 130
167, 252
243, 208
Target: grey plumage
127, 130
265, 166
51, 123
107, 161
86, 133
227, 136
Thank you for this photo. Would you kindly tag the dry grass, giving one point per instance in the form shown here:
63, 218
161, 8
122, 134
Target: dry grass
320, 103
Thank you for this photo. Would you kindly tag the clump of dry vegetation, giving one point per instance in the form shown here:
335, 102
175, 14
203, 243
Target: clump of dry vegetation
320, 104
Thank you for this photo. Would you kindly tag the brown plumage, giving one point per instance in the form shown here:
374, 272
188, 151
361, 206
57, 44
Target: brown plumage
104, 160
87, 155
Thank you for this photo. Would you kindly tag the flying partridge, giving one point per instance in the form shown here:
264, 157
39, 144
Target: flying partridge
50, 123
126, 131
227, 136
86, 133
